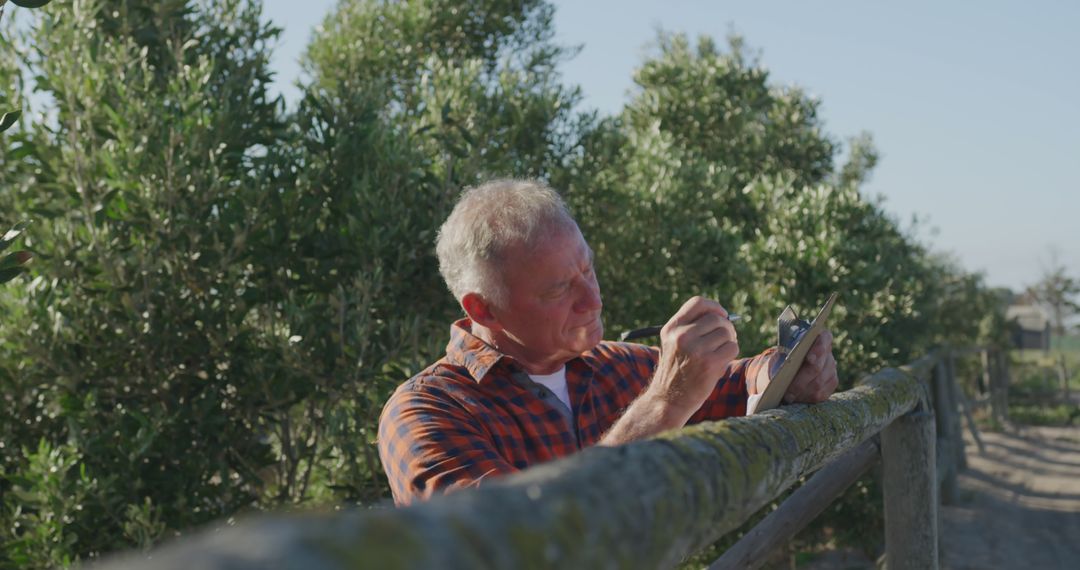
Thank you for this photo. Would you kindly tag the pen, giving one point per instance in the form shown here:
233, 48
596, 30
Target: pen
655, 330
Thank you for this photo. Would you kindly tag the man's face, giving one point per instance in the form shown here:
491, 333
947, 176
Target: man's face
552, 309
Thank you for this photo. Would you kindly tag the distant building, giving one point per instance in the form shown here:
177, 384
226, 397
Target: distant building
1030, 326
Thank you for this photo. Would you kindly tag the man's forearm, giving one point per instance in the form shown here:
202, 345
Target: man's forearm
646, 416
652, 412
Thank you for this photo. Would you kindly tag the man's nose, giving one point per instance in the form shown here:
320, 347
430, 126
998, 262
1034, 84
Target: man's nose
589, 296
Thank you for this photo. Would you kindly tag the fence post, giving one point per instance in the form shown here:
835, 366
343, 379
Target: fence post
1064, 374
1001, 405
965, 406
945, 455
994, 368
911, 494
953, 392
984, 380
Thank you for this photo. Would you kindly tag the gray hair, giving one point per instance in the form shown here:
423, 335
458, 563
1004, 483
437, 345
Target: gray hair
488, 220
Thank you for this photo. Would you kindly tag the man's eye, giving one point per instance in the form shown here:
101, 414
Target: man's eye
558, 291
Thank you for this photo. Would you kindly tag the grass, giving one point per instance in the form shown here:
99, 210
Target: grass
1061, 415
1068, 343
1036, 395
1036, 365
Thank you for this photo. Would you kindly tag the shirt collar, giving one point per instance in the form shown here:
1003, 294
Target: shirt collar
468, 350
478, 357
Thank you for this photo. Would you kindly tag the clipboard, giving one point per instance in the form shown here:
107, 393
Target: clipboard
794, 339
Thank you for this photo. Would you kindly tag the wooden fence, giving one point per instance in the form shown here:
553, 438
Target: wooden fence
653, 503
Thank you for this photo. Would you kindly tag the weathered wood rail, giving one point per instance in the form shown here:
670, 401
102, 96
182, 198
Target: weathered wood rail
649, 504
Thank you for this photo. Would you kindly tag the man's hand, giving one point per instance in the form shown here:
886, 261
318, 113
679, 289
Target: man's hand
695, 347
816, 379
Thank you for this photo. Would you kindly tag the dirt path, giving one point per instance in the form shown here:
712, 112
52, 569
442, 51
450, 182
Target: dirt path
1019, 504
1018, 507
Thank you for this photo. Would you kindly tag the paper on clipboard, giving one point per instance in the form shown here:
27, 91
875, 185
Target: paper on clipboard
794, 340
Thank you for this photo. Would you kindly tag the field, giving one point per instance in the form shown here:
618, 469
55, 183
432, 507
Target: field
1037, 382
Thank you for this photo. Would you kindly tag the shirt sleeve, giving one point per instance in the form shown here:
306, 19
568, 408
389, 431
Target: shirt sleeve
730, 395
429, 444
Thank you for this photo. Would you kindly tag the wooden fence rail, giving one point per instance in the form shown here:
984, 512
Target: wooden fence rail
648, 504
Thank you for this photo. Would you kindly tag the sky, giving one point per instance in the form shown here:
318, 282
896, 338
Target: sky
973, 106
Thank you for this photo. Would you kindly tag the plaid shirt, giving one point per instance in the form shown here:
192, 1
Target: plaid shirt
475, 413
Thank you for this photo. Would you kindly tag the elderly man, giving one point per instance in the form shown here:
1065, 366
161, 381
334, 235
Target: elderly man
527, 377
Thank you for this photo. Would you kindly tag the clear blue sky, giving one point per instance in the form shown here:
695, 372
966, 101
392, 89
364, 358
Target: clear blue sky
974, 106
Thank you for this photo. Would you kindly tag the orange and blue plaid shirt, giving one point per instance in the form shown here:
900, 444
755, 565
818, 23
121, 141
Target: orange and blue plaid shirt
476, 414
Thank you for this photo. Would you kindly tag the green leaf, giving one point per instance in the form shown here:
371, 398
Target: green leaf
465, 135
13, 233
9, 119
19, 480
30, 3
14, 259
423, 129
20, 152
9, 274
28, 497
48, 213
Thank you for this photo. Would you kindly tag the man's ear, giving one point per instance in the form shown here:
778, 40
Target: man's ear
479, 310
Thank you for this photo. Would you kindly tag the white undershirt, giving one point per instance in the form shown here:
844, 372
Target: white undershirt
751, 404
556, 382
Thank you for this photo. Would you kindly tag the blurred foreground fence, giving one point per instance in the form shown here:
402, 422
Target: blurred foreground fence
653, 503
